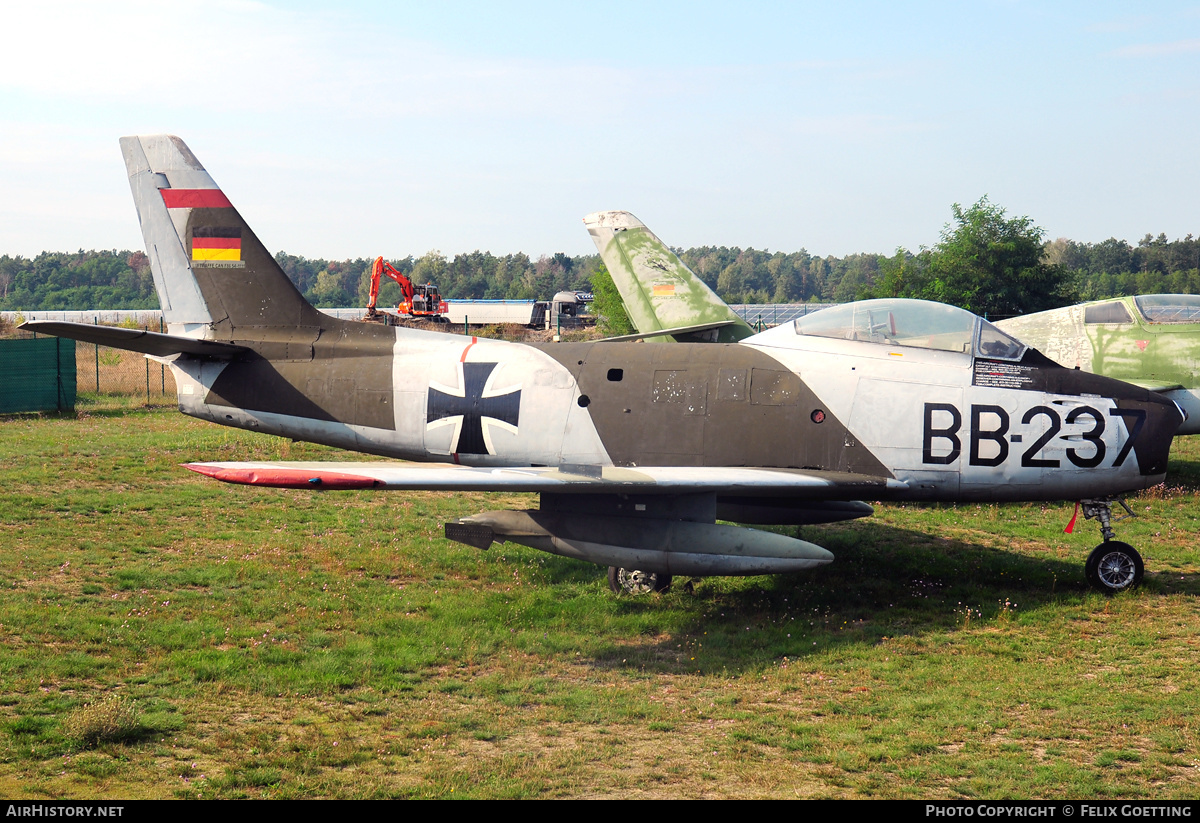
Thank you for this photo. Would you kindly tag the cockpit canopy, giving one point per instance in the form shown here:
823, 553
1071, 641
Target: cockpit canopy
1154, 309
1169, 308
917, 323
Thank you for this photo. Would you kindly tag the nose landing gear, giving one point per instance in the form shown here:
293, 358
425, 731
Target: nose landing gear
1112, 566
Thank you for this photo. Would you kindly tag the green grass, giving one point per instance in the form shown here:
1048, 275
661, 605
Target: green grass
276, 643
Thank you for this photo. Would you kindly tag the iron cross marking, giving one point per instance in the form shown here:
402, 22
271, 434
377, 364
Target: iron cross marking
472, 406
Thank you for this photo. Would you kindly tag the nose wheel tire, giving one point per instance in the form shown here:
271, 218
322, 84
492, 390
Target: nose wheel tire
635, 581
1114, 567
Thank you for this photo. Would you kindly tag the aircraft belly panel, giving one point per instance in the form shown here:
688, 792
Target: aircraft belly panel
193, 379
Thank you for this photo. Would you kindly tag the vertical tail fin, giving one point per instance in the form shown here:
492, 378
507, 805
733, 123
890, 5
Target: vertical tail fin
215, 280
658, 290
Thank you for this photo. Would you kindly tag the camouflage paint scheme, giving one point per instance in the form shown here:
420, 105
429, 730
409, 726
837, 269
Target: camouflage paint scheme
1150, 340
665, 300
635, 450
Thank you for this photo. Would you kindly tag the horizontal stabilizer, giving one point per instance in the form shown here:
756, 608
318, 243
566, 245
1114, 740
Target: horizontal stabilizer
146, 342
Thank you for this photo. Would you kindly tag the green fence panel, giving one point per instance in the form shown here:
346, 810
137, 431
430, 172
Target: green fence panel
37, 375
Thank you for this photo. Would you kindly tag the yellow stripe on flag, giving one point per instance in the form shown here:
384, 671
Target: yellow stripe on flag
216, 254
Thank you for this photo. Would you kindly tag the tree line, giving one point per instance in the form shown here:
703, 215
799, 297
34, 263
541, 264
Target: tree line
985, 261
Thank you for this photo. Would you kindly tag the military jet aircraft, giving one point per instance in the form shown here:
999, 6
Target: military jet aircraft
1152, 340
636, 450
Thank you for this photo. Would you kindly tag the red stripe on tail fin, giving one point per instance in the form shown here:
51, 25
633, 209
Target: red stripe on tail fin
195, 199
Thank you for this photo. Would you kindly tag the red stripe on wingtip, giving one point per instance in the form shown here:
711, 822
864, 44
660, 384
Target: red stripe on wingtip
195, 199
286, 478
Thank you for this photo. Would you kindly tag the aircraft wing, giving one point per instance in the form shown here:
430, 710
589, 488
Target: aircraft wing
146, 342
728, 482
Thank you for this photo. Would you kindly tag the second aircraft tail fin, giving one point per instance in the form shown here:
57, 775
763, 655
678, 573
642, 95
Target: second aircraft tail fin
659, 291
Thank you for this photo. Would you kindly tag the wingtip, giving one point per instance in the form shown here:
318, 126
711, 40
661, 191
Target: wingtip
206, 469
283, 476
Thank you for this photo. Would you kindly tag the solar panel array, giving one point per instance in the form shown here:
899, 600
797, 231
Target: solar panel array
768, 315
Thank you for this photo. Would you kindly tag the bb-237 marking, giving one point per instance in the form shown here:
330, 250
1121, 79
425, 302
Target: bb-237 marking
1134, 421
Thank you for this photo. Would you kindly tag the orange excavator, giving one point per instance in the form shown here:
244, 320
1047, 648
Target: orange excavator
419, 301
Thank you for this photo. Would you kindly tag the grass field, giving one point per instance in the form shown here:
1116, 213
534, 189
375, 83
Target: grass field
168, 636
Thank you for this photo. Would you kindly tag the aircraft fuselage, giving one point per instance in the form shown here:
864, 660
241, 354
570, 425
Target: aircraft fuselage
948, 425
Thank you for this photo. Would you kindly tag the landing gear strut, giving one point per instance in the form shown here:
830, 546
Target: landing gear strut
635, 581
1112, 566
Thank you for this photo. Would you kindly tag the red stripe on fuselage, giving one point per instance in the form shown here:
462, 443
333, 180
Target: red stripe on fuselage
195, 199
463, 359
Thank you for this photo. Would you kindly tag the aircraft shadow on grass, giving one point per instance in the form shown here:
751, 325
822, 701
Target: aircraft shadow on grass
887, 581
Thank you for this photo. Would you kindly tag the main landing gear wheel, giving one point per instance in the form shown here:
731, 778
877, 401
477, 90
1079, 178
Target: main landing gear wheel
635, 581
1114, 567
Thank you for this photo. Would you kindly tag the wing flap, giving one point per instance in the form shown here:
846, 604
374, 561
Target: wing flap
726, 481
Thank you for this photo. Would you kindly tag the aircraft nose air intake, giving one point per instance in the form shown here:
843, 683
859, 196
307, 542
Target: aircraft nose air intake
1164, 417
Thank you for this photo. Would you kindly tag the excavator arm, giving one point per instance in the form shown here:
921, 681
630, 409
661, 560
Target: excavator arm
380, 268
419, 301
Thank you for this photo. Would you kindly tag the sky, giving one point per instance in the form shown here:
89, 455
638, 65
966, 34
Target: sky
396, 128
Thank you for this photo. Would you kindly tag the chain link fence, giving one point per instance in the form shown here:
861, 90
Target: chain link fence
101, 370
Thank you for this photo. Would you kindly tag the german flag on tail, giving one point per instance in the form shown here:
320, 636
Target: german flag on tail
217, 245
